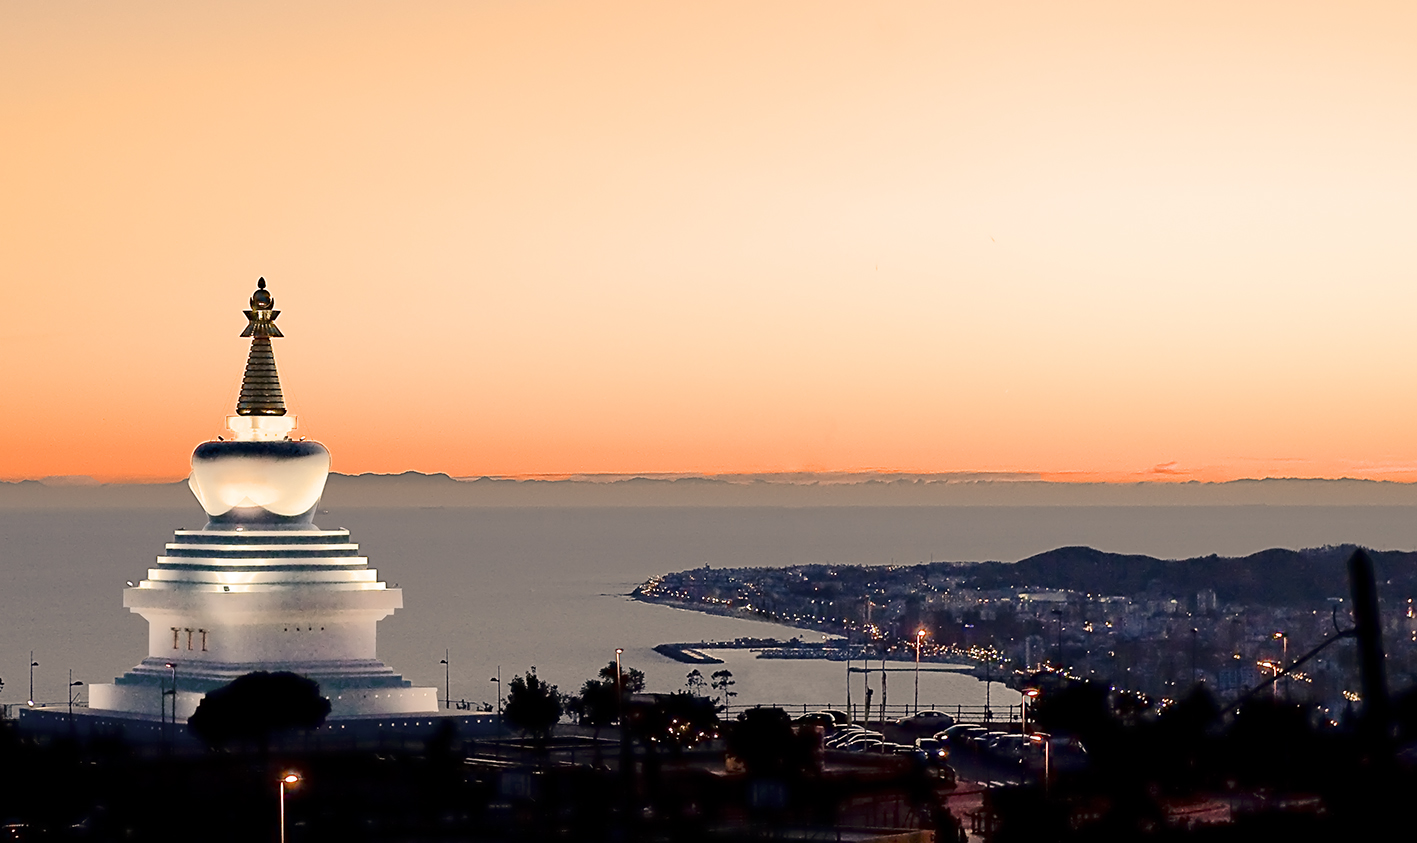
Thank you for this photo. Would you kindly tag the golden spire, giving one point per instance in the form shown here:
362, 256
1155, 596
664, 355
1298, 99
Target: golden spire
260, 386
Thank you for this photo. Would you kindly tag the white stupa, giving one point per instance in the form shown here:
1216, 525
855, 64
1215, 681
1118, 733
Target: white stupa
260, 587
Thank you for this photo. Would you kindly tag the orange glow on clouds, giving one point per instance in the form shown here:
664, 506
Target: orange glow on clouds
1095, 241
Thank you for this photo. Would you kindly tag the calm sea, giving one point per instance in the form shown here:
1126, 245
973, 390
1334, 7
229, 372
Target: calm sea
546, 587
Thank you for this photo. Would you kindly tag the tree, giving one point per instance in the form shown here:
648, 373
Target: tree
533, 706
695, 682
762, 740
722, 685
675, 720
631, 681
257, 705
596, 704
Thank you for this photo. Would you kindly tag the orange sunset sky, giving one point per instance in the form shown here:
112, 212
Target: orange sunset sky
1089, 240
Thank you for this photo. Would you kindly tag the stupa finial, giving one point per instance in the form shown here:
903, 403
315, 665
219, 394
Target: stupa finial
260, 386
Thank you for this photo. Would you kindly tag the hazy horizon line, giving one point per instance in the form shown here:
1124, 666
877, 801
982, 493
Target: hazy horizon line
785, 478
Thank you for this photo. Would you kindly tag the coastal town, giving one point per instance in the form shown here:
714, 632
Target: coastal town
1157, 636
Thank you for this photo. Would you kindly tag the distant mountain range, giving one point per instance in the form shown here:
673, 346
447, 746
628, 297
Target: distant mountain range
796, 489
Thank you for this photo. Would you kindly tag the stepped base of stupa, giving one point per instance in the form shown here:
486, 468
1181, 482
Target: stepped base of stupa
355, 688
357, 732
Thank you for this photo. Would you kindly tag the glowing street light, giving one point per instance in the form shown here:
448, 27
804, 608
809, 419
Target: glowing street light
1047, 741
619, 691
287, 779
919, 639
1283, 662
1028, 695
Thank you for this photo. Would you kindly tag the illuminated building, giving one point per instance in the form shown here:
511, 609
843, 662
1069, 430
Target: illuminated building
261, 587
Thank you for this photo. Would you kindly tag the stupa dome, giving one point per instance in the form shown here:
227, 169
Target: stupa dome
260, 476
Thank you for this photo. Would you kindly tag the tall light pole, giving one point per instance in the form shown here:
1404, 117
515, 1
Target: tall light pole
1195, 636
287, 779
447, 681
619, 691
172, 666
919, 638
1030, 694
1283, 663
33, 664
72, 686
498, 680
1047, 741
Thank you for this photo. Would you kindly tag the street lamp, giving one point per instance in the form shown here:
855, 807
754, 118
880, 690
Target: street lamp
172, 666
287, 779
33, 664
619, 691
919, 638
1283, 661
1195, 637
1029, 694
1047, 741
72, 686
498, 680
447, 681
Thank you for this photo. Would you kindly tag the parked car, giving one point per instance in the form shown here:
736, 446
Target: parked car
926, 721
863, 743
816, 718
861, 736
964, 734
1065, 754
1007, 747
843, 735
840, 717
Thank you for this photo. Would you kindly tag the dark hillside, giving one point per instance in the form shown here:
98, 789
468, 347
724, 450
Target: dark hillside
1275, 577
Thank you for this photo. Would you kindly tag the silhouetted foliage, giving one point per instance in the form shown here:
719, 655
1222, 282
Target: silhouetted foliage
1078, 708
722, 684
533, 706
693, 680
256, 706
674, 721
631, 681
764, 741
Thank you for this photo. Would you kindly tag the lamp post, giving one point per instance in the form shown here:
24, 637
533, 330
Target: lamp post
619, 692
172, 666
447, 681
287, 779
33, 664
1047, 741
1195, 636
1283, 662
72, 686
919, 638
1029, 694
498, 680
